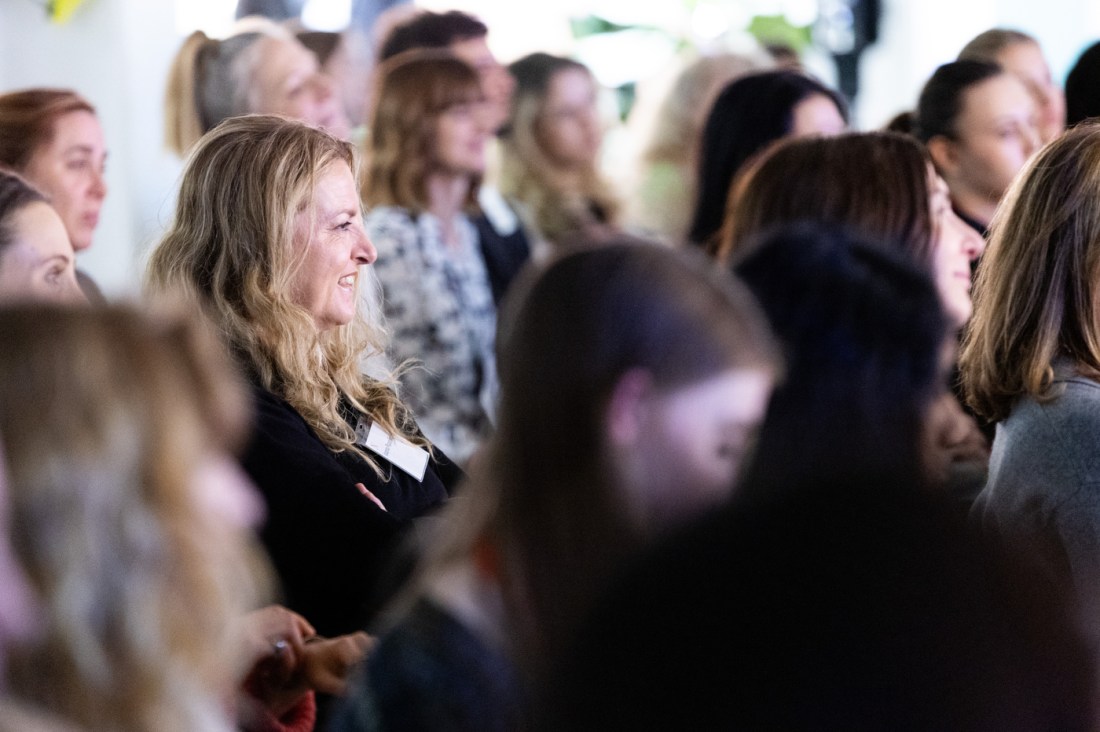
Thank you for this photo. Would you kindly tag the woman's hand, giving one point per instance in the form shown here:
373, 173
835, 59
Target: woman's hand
287, 658
326, 664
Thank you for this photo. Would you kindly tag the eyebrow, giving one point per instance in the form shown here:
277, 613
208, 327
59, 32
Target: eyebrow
63, 258
85, 149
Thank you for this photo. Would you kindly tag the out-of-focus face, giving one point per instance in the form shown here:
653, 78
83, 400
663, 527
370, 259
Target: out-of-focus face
817, 114
496, 82
995, 134
69, 170
332, 243
569, 128
39, 264
692, 440
957, 244
288, 81
1025, 61
460, 139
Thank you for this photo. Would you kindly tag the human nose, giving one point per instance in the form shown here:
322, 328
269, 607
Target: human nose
973, 245
99, 184
364, 252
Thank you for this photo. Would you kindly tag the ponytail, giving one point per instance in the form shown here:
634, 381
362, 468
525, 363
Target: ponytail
208, 82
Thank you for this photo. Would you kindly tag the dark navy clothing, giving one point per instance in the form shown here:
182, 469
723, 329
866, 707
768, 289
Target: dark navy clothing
334, 550
431, 673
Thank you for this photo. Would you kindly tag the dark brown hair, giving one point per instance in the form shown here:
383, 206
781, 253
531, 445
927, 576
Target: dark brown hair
15, 195
544, 495
876, 184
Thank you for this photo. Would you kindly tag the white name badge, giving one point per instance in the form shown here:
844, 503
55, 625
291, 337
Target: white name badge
410, 458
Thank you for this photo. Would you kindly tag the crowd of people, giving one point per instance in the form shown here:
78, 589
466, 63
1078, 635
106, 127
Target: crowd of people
424, 422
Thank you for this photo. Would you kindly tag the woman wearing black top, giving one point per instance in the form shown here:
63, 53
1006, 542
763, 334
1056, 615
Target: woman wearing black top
268, 236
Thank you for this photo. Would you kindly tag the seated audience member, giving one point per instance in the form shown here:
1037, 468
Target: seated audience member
1031, 363
863, 329
504, 244
268, 238
835, 592
550, 152
36, 259
980, 126
467, 38
665, 192
749, 114
52, 137
883, 187
633, 379
1020, 55
264, 70
426, 155
132, 523
1083, 87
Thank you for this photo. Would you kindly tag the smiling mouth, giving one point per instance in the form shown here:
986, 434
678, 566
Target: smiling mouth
347, 281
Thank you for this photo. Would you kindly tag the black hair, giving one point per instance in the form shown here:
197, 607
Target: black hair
1083, 87
432, 30
863, 331
15, 195
747, 115
941, 99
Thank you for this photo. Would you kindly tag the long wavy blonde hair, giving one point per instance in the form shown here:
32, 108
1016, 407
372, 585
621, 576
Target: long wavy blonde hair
558, 209
105, 416
231, 250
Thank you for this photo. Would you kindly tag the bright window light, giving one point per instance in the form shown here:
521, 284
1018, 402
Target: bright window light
327, 15
212, 17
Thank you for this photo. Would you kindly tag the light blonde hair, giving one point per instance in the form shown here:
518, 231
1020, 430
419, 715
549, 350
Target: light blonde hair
529, 175
415, 88
988, 45
679, 121
231, 250
211, 80
105, 415
1035, 298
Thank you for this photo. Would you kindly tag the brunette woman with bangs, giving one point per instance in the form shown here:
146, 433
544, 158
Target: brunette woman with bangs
1031, 363
426, 157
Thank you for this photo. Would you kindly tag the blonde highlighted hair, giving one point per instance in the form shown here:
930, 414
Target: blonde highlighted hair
559, 210
414, 89
211, 80
231, 249
1035, 298
105, 415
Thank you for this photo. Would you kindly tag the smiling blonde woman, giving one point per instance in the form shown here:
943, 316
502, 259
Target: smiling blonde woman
268, 238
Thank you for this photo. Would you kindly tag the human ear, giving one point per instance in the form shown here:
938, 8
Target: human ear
627, 406
944, 155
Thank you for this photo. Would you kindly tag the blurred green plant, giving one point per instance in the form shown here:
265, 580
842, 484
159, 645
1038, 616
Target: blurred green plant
776, 29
